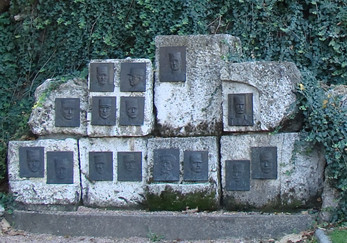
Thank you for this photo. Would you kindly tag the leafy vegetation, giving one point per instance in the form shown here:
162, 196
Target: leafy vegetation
42, 39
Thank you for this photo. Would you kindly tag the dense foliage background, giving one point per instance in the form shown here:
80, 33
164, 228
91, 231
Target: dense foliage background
42, 39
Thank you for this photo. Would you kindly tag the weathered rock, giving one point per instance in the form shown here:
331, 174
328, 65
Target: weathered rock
115, 127
43, 116
193, 106
272, 85
175, 187
37, 190
299, 175
125, 188
330, 202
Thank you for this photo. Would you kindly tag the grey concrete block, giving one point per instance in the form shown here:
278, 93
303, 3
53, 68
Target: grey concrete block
116, 192
193, 107
47, 117
272, 85
170, 225
299, 175
183, 186
36, 190
121, 124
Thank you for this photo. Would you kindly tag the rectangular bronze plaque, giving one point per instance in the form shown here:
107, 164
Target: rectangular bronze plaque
131, 111
240, 109
101, 77
101, 166
264, 162
195, 166
237, 175
31, 161
67, 112
172, 64
103, 111
129, 166
133, 77
60, 167
166, 166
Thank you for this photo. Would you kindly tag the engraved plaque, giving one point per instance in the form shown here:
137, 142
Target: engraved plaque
31, 161
195, 166
60, 167
133, 77
237, 176
172, 63
101, 77
101, 166
67, 112
264, 162
240, 109
131, 111
166, 165
129, 166
103, 111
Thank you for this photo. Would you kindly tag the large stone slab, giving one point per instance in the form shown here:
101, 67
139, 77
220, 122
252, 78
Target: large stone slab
114, 171
188, 95
271, 85
59, 184
183, 172
60, 108
291, 177
120, 98
185, 226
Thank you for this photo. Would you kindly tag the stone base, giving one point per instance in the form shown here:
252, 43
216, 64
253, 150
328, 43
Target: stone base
298, 183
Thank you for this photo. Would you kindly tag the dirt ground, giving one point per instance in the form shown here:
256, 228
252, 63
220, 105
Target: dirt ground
11, 235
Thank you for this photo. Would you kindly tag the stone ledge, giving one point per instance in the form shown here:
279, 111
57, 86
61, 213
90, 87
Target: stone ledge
171, 225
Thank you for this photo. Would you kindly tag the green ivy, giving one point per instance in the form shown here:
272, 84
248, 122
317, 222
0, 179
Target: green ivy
43, 39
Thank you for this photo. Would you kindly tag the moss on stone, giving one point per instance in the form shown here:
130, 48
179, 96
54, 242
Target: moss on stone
172, 200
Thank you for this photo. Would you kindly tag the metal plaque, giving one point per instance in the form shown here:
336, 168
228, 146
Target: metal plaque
101, 77
133, 77
166, 165
60, 167
129, 166
131, 111
172, 64
67, 112
31, 161
264, 162
240, 109
103, 111
237, 175
101, 166
195, 166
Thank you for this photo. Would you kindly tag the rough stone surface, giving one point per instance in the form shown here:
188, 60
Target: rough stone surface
329, 202
299, 180
272, 85
339, 90
193, 107
118, 129
36, 191
173, 226
42, 119
181, 186
112, 193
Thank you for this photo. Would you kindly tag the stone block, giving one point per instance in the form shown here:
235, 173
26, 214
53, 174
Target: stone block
182, 168
131, 114
60, 182
60, 108
298, 180
126, 158
188, 92
272, 86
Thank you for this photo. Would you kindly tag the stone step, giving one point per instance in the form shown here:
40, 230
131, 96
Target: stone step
169, 225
